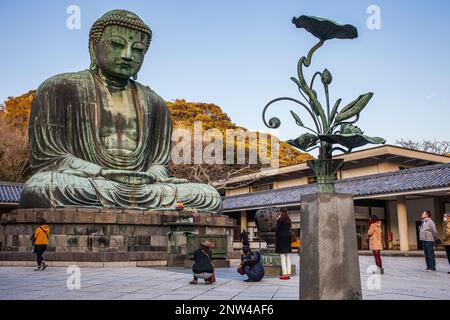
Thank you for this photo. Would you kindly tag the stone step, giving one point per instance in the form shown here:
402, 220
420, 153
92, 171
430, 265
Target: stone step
87, 256
61, 264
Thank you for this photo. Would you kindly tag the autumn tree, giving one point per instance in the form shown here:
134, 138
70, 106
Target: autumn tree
14, 151
17, 109
185, 114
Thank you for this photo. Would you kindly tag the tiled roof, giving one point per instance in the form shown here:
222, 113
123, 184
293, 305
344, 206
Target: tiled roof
408, 180
10, 192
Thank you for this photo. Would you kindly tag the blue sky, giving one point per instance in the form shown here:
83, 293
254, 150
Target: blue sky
240, 55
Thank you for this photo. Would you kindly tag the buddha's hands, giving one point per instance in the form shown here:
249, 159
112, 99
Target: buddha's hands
132, 177
128, 177
173, 180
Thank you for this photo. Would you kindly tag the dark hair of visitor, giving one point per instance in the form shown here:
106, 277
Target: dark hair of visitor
428, 213
42, 221
246, 249
284, 217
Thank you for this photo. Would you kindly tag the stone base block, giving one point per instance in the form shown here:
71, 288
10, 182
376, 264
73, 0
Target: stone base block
272, 263
328, 254
101, 235
275, 271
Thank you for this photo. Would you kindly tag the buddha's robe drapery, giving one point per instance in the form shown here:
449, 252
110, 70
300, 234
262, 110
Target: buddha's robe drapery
68, 156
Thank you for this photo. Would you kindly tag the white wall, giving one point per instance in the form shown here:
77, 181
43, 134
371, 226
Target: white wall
414, 208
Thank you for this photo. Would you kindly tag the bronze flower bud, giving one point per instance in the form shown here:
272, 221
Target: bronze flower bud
326, 77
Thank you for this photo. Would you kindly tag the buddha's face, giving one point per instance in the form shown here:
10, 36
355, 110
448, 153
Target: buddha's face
120, 52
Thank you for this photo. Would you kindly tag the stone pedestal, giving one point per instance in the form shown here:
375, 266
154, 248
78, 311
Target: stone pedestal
272, 263
100, 237
329, 266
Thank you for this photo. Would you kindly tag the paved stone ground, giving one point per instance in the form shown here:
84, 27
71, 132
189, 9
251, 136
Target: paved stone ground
404, 279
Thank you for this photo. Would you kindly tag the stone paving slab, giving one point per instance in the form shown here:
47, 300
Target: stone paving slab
404, 278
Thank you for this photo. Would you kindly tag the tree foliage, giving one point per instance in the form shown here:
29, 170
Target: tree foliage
14, 151
433, 146
17, 109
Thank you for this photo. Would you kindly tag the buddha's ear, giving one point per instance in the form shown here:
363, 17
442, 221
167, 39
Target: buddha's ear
94, 64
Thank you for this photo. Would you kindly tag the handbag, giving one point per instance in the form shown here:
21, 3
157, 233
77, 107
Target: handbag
293, 237
240, 270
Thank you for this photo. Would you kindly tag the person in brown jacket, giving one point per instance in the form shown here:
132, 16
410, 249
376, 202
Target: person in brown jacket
446, 235
375, 241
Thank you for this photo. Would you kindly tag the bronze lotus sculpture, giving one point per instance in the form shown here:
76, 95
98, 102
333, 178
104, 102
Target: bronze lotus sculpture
331, 125
98, 138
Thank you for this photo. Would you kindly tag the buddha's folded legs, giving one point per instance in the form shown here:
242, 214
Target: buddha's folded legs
54, 189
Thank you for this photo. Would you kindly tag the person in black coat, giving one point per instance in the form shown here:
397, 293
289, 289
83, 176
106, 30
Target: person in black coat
203, 267
251, 265
244, 238
283, 244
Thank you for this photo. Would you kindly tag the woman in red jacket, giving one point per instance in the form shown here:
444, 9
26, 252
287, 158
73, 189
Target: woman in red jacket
376, 241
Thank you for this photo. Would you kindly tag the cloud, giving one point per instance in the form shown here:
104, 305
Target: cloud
432, 95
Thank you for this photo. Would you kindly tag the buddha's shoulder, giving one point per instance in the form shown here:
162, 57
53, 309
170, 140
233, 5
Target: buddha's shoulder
149, 92
66, 80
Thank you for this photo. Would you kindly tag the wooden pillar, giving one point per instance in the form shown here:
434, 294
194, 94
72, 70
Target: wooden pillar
244, 220
402, 215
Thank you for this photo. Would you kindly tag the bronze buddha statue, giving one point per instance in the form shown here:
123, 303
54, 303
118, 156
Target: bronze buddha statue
98, 138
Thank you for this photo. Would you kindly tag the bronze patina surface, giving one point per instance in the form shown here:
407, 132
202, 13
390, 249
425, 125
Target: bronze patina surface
98, 138
331, 125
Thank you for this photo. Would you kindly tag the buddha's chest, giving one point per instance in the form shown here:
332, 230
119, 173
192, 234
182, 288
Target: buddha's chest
118, 122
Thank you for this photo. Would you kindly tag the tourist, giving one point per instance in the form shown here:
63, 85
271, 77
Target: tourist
376, 241
40, 239
251, 265
428, 235
244, 238
203, 268
446, 235
283, 244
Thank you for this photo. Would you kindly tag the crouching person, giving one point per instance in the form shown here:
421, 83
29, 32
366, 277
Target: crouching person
251, 265
40, 238
203, 268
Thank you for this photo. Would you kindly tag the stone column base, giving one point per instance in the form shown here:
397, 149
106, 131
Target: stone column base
328, 254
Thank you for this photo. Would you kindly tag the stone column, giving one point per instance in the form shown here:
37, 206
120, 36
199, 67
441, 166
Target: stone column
329, 265
402, 215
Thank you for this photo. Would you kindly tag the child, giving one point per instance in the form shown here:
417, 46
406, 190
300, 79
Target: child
40, 238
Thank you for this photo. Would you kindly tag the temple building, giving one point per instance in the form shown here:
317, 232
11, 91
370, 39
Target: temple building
394, 183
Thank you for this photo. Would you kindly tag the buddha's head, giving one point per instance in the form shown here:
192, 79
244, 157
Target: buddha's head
118, 42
